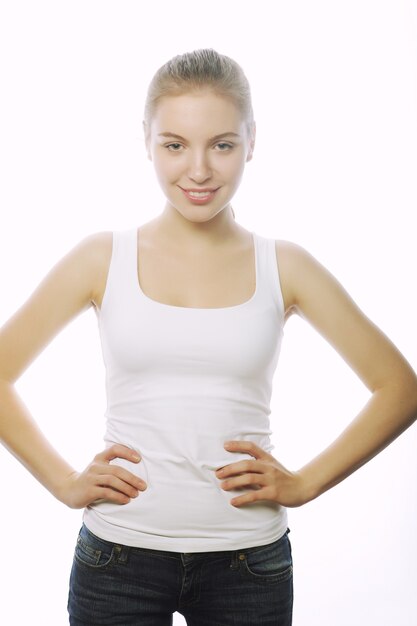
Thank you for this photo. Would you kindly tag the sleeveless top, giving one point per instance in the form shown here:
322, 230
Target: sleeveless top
180, 382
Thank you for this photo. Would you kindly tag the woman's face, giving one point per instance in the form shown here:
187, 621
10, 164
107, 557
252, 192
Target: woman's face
199, 144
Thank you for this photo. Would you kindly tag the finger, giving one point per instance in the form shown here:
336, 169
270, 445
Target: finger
247, 446
126, 476
240, 467
250, 497
117, 485
118, 451
252, 481
106, 494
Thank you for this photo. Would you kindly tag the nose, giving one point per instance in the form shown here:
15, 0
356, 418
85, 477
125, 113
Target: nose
199, 168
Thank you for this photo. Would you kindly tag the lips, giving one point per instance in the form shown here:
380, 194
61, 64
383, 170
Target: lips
199, 196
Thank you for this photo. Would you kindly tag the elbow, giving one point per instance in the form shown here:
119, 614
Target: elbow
411, 388
398, 395
406, 395
413, 400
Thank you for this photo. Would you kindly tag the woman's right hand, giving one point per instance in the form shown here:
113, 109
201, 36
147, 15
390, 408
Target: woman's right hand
101, 481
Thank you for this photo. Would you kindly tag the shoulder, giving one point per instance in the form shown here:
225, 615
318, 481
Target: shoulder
96, 245
93, 255
83, 270
73, 284
292, 261
304, 280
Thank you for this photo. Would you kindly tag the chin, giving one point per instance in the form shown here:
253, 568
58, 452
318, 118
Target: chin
201, 215
198, 213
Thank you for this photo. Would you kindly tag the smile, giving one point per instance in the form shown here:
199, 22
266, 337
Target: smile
199, 196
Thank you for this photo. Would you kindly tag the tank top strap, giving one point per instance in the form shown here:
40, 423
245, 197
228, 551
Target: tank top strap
269, 287
122, 273
122, 278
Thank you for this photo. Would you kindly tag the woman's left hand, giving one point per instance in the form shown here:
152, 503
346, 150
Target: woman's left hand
264, 476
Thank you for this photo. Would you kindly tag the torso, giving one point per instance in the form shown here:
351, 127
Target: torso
222, 277
219, 278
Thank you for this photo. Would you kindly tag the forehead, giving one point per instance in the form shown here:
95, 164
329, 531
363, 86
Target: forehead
197, 112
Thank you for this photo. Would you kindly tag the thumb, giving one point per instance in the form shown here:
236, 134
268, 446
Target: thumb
118, 451
247, 446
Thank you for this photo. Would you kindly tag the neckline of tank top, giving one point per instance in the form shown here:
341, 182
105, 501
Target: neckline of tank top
192, 308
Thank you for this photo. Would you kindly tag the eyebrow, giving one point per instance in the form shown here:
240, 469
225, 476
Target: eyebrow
175, 136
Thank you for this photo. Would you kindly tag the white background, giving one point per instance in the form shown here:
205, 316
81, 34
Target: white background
335, 95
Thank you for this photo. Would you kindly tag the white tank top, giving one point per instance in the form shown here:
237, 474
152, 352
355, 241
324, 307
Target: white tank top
180, 382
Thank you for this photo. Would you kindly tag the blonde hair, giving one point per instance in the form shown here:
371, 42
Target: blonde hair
197, 70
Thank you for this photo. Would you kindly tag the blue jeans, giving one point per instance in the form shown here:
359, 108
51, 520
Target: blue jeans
119, 585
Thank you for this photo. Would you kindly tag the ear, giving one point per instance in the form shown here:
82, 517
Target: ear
146, 132
252, 138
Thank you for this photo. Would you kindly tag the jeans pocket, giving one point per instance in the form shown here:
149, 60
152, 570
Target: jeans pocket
92, 551
270, 563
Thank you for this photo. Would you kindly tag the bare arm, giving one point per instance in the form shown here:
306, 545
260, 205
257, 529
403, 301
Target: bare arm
318, 297
72, 286
313, 293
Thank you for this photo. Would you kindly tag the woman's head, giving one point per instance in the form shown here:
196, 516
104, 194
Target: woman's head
200, 70
199, 131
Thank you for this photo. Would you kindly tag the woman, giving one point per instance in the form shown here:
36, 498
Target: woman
185, 509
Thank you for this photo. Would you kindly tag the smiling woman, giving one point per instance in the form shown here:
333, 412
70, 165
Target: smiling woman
197, 153
185, 510
217, 143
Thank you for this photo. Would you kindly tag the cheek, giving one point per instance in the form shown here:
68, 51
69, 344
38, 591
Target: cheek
232, 169
167, 169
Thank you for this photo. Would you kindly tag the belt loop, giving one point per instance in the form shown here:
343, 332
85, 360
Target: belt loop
235, 560
122, 553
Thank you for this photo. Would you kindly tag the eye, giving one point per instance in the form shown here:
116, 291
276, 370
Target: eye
224, 146
174, 147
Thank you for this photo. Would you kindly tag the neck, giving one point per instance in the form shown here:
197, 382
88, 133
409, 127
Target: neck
174, 227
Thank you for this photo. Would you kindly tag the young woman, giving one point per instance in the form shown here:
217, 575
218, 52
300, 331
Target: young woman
185, 509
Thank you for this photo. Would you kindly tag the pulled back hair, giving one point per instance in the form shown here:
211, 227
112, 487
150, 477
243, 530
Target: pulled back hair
198, 70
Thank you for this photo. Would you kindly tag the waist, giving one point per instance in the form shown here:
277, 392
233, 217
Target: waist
184, 505
182, 435
184, 509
